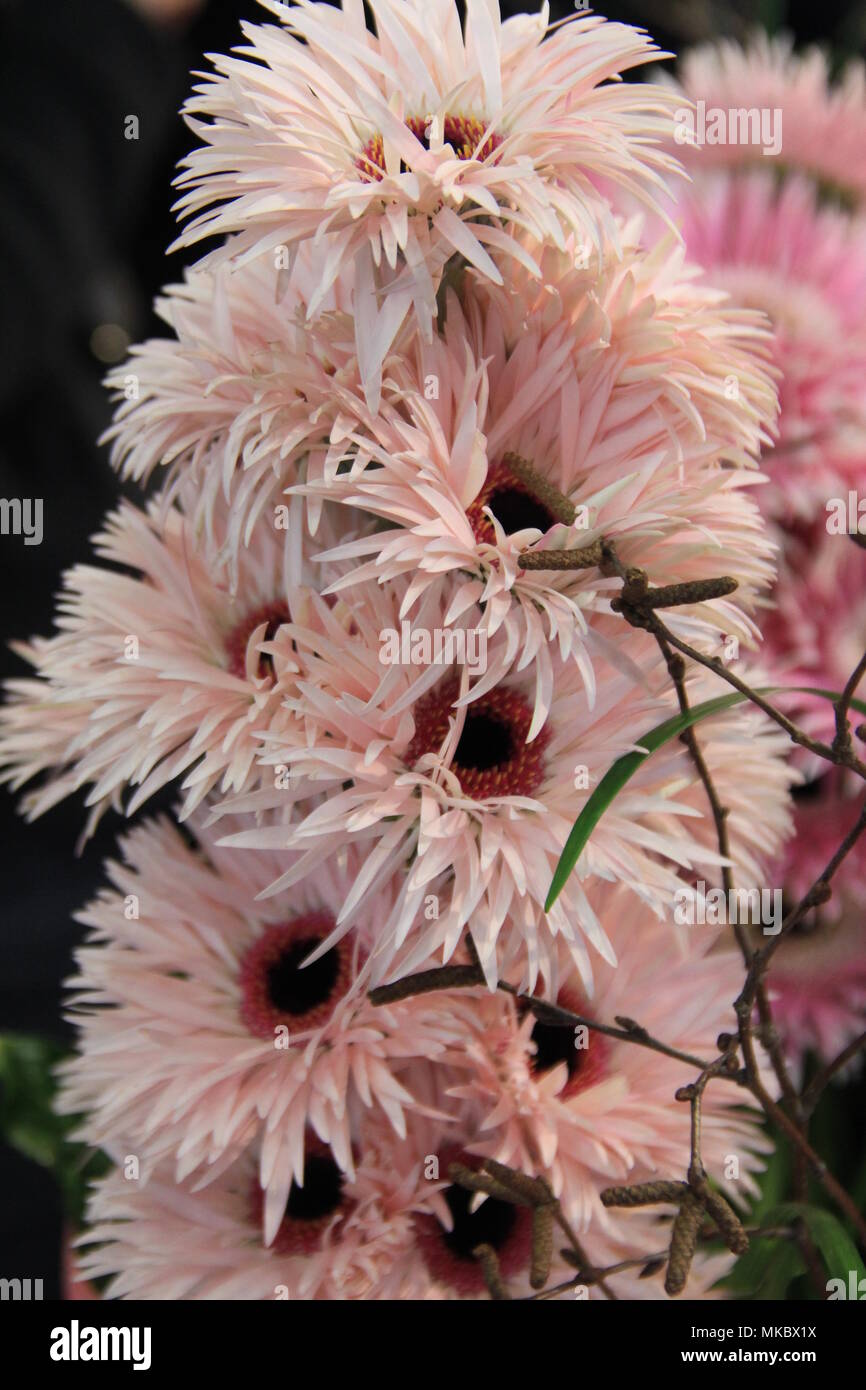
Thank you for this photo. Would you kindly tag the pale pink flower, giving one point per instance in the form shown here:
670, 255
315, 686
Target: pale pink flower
423, 319
589, 1110
613, 385
747, 754
418, 767
337, 1238
232, 403
397, 149
202, 1029
449, 1222
398, 1230
162, 673
823, 123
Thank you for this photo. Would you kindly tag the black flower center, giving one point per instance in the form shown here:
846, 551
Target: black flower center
293, 990
321, 1193
492, 757
515, 508
583, 1050
491, 1224
485, 742
809, 791
277, 990
554, 1045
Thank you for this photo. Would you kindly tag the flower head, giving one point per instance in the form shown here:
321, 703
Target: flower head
457, 781
590, 1110
777, 250
337, 1237
163, 672
395, 150
596, 404
208, 1020
818, 979
233, 402
814, 631
823, 124
401, 1228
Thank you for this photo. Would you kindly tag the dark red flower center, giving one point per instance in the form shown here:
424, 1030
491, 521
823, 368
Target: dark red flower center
311, 1207
273, 615
449, 1255
463, 133
277, 988
492, 757
582, 1049
511, 501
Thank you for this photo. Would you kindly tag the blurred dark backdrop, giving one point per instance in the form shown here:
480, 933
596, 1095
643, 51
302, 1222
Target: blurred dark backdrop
84, 222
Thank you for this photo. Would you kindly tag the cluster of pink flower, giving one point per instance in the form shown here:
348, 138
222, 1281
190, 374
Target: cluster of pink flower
425, 345
788, 235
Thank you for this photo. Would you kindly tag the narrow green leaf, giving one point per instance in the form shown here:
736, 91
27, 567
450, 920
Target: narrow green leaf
766, 1271
625, 767
838, 1250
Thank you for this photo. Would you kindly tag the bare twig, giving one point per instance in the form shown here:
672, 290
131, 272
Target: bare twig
471, 977
695, 1198
812, 1092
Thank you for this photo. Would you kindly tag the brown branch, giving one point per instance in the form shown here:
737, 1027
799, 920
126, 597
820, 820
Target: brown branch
638, 603
842, 741
637, 596
472, 977
794, 732
635, 610
812, 1092
499, 1181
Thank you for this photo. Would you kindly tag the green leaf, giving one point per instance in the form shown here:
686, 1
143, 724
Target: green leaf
774, 1182
625, 767
29, 1123
26, 1117
838, 1250
766, 1270
772, 15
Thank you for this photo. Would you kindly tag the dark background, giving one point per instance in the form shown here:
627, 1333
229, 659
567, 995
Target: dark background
84, 222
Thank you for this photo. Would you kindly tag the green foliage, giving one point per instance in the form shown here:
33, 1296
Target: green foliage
829, 1236
770, 1265
773, 1267
29, 1123
767, 1270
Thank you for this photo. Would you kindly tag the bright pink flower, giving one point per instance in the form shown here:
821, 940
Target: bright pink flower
823, 124
818, 979
776, 249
